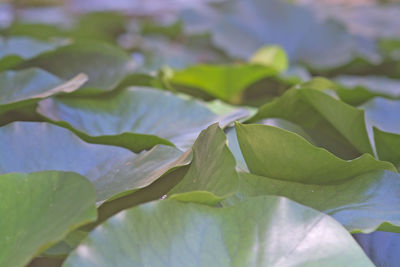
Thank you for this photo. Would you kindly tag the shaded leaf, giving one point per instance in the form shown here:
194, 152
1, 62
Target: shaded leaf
243, 26
113, 170
104, 64
19, 88
38, 210
24, 47
382, 248
264, 231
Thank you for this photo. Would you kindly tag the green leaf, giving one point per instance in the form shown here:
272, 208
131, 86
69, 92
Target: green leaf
14, 50
137, 118
271, 56
114, 171
233, 143
24, 47
356, 90
264, 231
361, 204
104, 64
383, 125
332, 124
387, 146
20, 88
222, 81
212, 175
272, 152
39, 209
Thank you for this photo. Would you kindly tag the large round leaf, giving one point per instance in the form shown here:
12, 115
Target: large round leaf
41, 146
104, 64
264, 231
137, 118
363, 203
276, 153
19, 88
38, 210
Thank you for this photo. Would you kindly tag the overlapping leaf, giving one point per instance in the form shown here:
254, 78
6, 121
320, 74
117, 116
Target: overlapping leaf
383, 248
383, 126
288, 165
137, 118
222, 81
272, 152
361, 89
113, 171
38, 210
264, 231
212, 175
19, 88
242, 26
364, 203
332, 124
104, 64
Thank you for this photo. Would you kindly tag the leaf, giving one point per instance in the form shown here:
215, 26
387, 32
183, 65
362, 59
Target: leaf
137, 118
264, 231
272, 152
19, 88
358, 89
271, 56
38, 210
222, 81
104, 64
383, 126
382, 248
15, 49
364, 203
24, 47
241, 27
113, 171
332, 124
212, 175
